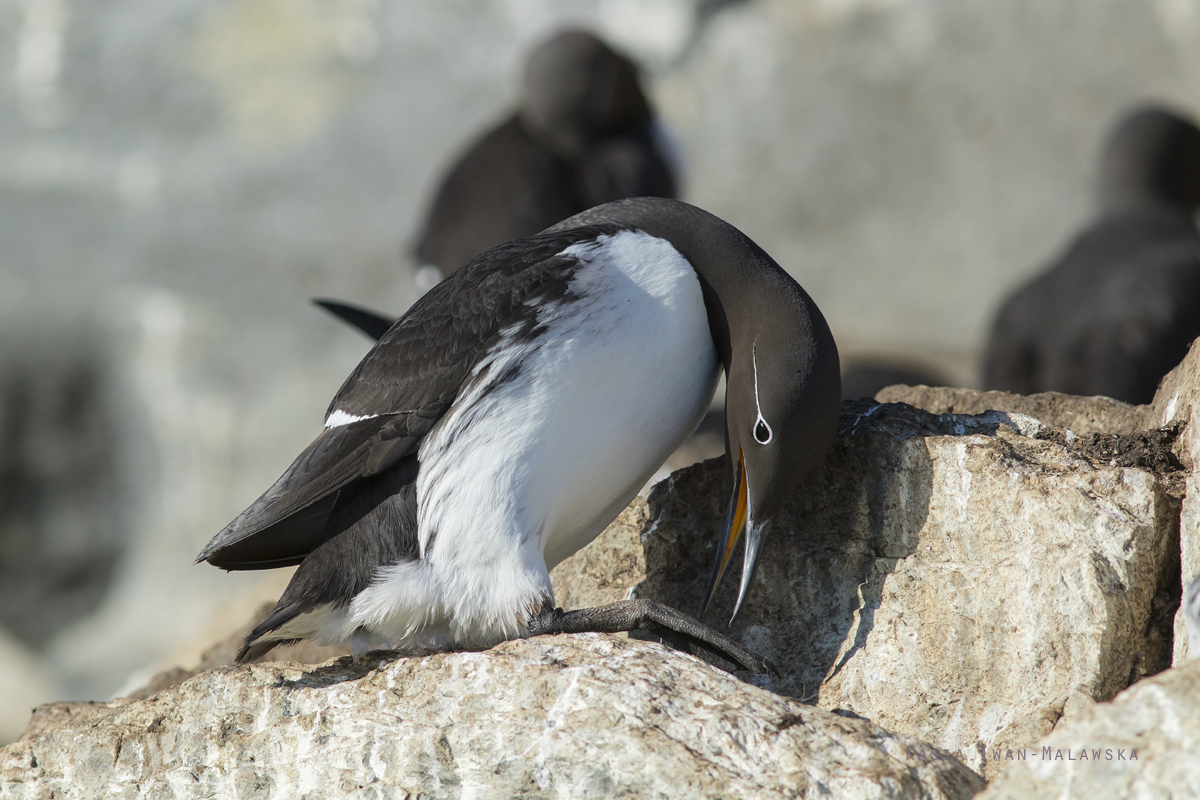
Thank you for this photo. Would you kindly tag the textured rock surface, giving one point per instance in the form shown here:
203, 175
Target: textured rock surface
1079, 414
958, 578
1032, 577
1176, 401
1158, 718
1174, 404
588, 716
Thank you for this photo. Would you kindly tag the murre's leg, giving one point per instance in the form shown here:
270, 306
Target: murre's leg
648, 615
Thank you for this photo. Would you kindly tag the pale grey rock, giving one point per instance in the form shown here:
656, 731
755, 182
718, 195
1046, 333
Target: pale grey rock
1189, 568
1143, 744
584, 716
1176, 402
954, 577
1190, 610
1178, 393
1078, 414
1173, 404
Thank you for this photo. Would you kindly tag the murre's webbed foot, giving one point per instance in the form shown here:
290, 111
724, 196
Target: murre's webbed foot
649, 615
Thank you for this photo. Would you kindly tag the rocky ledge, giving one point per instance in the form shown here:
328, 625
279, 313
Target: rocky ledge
970, 575
582, 716
964, 579
1145, 743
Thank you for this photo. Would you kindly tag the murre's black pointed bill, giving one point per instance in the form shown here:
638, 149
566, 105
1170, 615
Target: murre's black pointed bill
736, 514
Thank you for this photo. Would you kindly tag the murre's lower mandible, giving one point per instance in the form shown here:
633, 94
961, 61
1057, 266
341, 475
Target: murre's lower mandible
503, 421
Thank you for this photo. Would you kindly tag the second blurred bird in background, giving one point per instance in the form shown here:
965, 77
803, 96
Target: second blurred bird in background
584, 135
1120, 308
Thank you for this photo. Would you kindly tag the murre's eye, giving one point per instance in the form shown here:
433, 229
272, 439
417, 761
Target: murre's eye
762, 431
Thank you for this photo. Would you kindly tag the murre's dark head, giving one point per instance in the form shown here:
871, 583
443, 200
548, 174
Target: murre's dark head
783, 382
1153, 155
782, 399
577, 90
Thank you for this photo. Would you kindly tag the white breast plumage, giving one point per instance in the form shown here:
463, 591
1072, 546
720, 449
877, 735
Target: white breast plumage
551, 438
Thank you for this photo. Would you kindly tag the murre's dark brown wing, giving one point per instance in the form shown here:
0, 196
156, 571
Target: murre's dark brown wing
398, 393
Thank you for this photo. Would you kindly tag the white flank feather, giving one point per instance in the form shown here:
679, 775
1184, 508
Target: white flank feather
339, 418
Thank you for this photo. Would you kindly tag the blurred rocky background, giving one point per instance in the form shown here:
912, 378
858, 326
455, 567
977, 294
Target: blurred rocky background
178, 178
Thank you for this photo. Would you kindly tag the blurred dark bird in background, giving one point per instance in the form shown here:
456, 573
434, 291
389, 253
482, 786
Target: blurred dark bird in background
1119, 309
584, 135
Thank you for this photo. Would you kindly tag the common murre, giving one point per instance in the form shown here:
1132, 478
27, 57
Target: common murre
502, 422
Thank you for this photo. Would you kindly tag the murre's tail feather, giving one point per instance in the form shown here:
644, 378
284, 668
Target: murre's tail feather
369, 322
